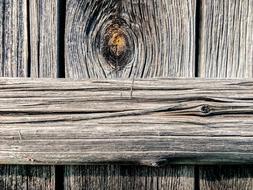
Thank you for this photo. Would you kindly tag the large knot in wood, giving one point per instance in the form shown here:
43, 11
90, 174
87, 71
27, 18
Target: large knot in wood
117, 44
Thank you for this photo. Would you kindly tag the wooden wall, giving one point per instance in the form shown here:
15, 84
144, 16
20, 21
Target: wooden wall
126, 39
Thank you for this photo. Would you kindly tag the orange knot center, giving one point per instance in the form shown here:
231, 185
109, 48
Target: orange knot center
117, 43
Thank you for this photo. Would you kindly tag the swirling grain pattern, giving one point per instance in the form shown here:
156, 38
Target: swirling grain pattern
122, 39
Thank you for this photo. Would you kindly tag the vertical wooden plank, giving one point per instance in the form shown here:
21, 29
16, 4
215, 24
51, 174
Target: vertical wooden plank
12, 177
128, 177
226, 49
226, 177
125, 39
43, 38
14, 62
27, 177
13, 38
226, 52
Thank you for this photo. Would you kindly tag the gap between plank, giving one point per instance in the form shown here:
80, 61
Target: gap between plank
59, 177
197, 72
61, 7
28, 40
61, 38
198, 37
196, 178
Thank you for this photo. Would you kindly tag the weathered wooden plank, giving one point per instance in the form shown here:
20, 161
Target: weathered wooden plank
13, 38
226, 39
226, 52
27, 177
108, 38
43, 16
174, 121
226, 177
128, 177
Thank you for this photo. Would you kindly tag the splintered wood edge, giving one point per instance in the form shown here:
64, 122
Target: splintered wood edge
151, 122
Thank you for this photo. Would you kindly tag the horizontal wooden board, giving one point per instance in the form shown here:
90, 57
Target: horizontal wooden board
150, 122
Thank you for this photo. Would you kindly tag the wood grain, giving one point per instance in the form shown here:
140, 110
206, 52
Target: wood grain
14, 62
226, 177
43, 25
122, 39
226, 52
13, 38
226, 39
127, 39
43, 39
128, 177
27, 177
165, 121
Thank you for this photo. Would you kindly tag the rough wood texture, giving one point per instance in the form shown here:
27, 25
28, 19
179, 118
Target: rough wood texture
128, 38
44, 34
164, 121
124, 38
14, 62
226, 177
13, 38
226, 52
128, 177
27, 177
226, 39
44, 38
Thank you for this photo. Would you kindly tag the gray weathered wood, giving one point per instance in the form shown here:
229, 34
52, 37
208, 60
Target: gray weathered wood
226, 177
128, 38
124, 38
14, 62
226, 39
44, 38
27, 177
44, 34
128, 177
13, 38
174, 121
43, 25
226, 52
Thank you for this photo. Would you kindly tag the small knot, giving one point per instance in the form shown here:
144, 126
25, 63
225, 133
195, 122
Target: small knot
117, 45
205, 109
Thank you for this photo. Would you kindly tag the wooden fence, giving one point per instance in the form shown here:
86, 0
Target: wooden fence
131, 111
